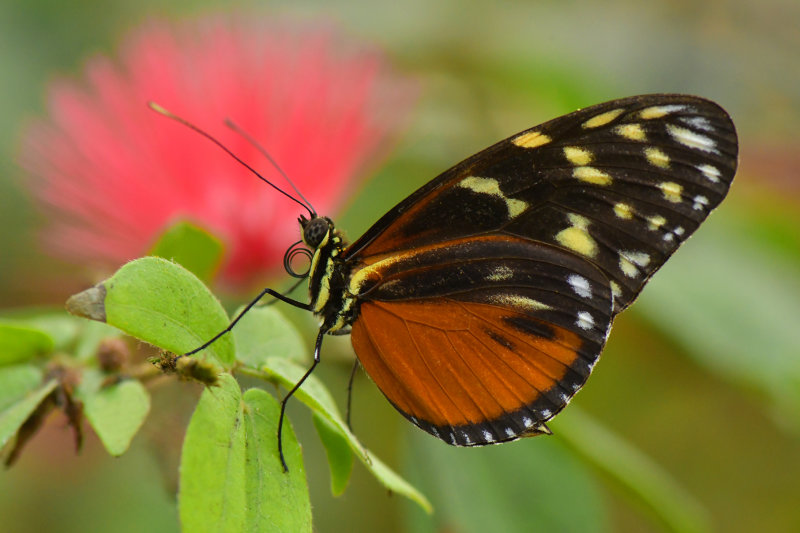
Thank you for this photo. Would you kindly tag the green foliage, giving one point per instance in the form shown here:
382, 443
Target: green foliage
20, 343
698, 301
197, 250
633, 472
530, 485
159, 302
21, 406
116, 412
231, 475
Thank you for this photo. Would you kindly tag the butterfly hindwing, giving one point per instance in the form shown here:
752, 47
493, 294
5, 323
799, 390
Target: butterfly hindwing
481, 339
621, 184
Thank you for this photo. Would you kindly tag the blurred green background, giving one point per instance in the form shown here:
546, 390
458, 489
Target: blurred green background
702, 374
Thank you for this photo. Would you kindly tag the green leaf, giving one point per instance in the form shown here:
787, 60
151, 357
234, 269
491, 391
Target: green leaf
276, 500
530, 485
734, 307
160, 303
116, 413
264, 332
632, 471
213, 491
315, 395
231, 477
15, 414
340, 456
19, 343
16, 381
60, 326
191, 246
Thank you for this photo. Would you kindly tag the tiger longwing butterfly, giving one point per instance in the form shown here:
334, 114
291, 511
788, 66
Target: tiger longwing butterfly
480, 304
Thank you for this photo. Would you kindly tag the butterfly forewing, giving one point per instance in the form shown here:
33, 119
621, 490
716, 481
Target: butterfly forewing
483, 300
621, 184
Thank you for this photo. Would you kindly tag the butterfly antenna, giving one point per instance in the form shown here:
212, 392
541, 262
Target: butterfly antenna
158, 109
249, 138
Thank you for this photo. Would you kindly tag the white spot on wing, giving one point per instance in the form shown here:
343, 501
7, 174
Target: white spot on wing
487, 436
510, 432
700, 202
712, 173
701, 123
527, 422
580, 285
546, 413
692, 139
585, 320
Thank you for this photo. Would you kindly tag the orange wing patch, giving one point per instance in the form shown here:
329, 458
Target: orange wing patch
462, 372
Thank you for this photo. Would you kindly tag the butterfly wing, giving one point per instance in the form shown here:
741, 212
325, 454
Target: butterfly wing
481, 339
621, 184
485, 297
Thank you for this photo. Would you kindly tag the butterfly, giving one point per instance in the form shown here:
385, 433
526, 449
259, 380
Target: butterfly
480, 304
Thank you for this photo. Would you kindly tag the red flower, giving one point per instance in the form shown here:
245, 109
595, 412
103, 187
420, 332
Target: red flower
113, 174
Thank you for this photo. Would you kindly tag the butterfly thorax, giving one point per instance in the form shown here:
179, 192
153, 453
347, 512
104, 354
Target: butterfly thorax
327, 276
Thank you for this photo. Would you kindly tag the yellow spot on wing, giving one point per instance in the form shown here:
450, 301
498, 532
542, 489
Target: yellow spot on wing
658, 111
520, 302
623, 210
501, 273
491, 187
632, 132
532, 139
615, 290
592, 175
576, 237
628, 262
657, 158
628, 268
602, 119
577, 156
671, 190
655, 222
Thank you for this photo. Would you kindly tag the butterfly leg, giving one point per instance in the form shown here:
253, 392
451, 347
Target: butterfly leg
249, 306
350, 393
317, 348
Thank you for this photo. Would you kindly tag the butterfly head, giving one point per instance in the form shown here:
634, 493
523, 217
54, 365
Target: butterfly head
315, 230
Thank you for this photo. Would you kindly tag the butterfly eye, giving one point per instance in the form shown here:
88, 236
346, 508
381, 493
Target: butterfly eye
315, 230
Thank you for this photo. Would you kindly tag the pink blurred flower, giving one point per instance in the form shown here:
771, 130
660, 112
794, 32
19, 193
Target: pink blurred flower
112, 174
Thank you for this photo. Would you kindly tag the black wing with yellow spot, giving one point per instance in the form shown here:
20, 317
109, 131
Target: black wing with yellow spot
621, 184
485, 298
